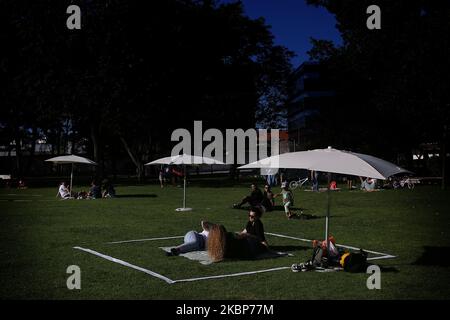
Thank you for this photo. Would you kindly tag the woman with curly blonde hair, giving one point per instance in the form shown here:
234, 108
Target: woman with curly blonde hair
223, 244
217, 242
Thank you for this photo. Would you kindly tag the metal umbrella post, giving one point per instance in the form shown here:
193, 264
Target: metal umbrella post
328, 210
71, 180
184, 193
184, 187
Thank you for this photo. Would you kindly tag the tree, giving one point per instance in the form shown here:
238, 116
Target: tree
136, 71
391, 94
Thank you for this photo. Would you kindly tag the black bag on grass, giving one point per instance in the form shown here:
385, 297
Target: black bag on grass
356, 262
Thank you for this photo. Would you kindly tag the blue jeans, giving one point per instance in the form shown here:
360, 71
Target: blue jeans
193, 241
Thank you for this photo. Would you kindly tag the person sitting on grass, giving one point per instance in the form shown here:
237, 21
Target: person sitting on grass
255, 226
368, 184
288, 200
63, 191
254, 199
268, 201
193, 241
229, 245
21, 184
95, 191
108, 189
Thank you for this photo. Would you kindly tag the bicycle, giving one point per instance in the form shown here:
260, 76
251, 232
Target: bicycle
298, 183
405, 182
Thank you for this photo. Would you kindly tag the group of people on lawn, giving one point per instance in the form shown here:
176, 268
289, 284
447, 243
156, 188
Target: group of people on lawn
266, 200
222, 244
246, 244
106, 190
251, 241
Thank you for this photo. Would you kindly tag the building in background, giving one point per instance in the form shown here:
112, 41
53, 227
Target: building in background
310, 92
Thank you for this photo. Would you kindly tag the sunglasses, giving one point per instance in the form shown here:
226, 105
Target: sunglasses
251, 216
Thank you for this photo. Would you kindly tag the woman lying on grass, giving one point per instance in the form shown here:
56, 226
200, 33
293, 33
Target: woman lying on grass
223, 245
193, 241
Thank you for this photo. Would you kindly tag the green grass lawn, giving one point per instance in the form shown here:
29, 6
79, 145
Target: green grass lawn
38, 233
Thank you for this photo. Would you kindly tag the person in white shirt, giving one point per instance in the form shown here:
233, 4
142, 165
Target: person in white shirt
63, 191
368, 184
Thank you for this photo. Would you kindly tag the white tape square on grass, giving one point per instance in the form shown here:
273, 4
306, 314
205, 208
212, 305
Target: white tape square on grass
170, 281
126, 264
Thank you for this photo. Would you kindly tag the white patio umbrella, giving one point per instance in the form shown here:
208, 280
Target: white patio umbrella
184, 159
71, 159
332, 161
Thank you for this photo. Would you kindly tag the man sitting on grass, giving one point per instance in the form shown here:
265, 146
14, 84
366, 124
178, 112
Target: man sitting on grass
95, 192
254, 199
63, 191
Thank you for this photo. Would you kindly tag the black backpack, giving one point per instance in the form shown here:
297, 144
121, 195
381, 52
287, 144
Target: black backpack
356, 262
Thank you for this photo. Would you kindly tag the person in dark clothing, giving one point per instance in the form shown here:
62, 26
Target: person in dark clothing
255, 226
254, 199
108, 189
95, 192
268, 198
229, 245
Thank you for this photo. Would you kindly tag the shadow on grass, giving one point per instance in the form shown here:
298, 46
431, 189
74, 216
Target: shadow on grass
274, 208
220, 183
289, 248
281, 208
136, 196
434, 256
389, 269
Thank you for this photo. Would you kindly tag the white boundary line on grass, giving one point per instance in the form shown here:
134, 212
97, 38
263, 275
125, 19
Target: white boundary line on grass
126, 264
232, 274
383, 255
140, 240
170, 281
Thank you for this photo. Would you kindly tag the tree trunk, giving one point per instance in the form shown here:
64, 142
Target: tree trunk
32, 151
95, 137
444, 158
18, 155
137, 162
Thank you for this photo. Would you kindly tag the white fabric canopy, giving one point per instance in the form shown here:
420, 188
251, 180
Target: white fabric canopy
71, 159
331, 160
185, 159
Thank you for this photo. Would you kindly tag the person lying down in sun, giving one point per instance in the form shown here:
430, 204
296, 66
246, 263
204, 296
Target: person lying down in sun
193, 241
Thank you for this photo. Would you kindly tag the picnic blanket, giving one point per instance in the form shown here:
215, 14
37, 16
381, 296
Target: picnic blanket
203, 258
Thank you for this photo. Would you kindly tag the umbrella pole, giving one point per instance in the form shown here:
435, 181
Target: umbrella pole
184, 188
71, 180
328, 210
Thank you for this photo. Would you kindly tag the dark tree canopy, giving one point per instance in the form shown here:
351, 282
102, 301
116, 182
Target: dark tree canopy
134, 72
391, 82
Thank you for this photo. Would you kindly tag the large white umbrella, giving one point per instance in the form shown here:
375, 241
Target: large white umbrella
332, 161
185, 159
71, 159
